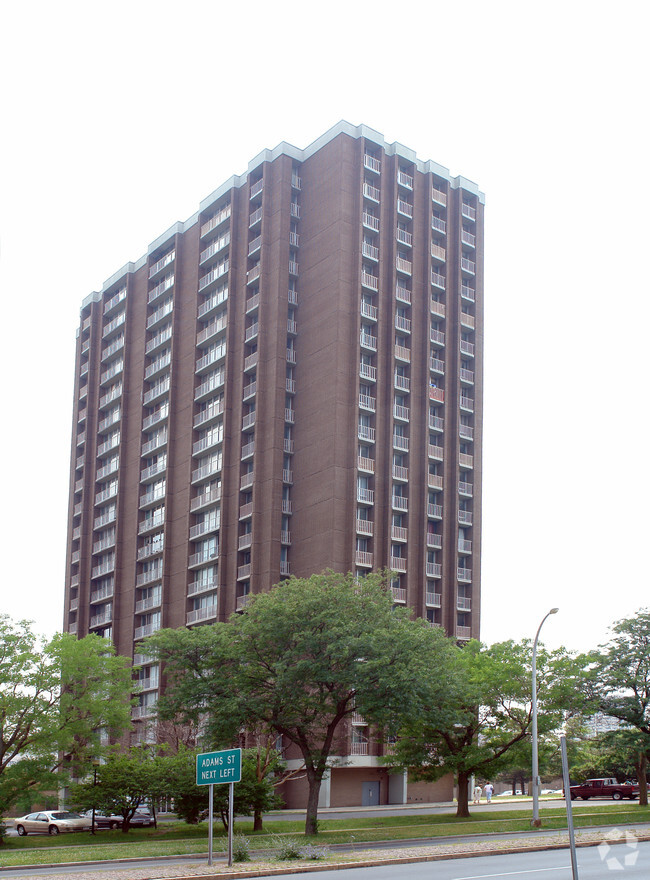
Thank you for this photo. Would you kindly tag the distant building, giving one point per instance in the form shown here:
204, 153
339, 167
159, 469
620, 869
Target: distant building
289, 381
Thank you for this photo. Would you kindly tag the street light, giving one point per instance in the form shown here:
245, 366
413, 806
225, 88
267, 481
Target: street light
536, 820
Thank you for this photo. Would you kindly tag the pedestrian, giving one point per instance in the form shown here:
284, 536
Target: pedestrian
489, 788
478, 791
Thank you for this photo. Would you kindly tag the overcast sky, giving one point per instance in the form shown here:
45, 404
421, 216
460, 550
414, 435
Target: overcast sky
117, 119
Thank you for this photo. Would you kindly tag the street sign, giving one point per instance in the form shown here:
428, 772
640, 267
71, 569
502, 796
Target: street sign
213, 768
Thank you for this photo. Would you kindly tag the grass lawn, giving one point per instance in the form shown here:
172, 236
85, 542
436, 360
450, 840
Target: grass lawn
177, 838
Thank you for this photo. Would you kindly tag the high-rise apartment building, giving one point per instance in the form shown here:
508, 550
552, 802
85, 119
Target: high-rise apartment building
289, 381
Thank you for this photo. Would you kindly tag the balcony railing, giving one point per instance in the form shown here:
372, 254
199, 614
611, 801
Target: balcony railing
365, 496
465, 517
400, 502
437, 279
363, 558
398, 533
365, 527
398, 563
209, 612
434, 542
434, 600
434, 569
366, 464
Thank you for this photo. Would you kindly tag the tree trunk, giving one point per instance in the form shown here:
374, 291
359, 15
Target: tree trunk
462, 811
311, 819
642, 767
257, 821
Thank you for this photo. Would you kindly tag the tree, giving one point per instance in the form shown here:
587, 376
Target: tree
621, 682
55, 697
300, 660
487, 715
124, 782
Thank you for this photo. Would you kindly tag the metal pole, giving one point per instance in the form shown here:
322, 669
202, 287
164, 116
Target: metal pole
535, 781
231, 800
569, 811
210, 820
92, 826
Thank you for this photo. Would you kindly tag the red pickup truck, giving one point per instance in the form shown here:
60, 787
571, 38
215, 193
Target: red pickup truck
608, 788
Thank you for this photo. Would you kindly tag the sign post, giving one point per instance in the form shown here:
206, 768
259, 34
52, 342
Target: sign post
214, 768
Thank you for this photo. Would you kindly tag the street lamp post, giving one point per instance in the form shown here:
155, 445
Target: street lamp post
95, 766
536, 820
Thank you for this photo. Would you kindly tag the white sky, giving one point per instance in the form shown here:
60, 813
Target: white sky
119, 118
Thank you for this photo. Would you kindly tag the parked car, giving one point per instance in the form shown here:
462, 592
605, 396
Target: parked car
141, 819
607, 787
509, 793
104, 820
50, 822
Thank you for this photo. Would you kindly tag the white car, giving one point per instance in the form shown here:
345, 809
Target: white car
51, 822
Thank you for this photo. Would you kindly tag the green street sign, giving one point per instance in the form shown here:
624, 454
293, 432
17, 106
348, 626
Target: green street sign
215, 767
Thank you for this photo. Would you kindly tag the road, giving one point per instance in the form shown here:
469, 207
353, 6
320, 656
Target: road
547, 865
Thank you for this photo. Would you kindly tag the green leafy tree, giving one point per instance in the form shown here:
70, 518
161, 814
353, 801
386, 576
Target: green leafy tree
125, 781
621, 683
487, 715
300, 661
55, 696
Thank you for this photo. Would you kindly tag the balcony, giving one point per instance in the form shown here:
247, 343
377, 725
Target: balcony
466, 461
463, 632
288, 446
211, 357
369, 311
399, 533
246, 510
285, 538
365, 527
248, 421
252, 303
244, 572
466, 432
371, 192
365, 432
405, 208
403, 266
250, 362
213, 301
434, 511
247, 450
216, 220
404, 180
370, 251
294, 210
254, 245
433, 600
434, 569
162, 287
296, 182
436, 423
468, 293
371, 163
114, 301
399, 594
467, 348
160, 264
404, 237
157, 366
245, 541
294, 239
467, 403
204, 499
97, 596
437, 338
464, 546
204, 585
402, 323
287, 506
467, 238
153, 522
366, 402
467, 320
363, 559
468, 212
370, 222
438, 253
403, 294
465, 489
158, 340
437, 280
465, 575
256, 188
435, 452
365, 496
287, 476
243, 601
436, 394
206, 470
292, 327
438, 196
402, 383
150, 550
147, 604
289, 415
157, 442
400, 473
100, 619
209, 612
403, 354
439, 225
113, 325
434, 541
208, 527
398, 563
291, 356
465, 517
210, 330
437, 308
293, 267
400, 443
141, 632
367, 341
401, 413
434, 481
155, 418
369, 281
466, 376
468, 266
400, 502
367, 465
250, 390
366, 371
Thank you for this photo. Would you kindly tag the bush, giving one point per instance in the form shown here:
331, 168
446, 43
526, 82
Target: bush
288, 849
241, 849
314, 853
